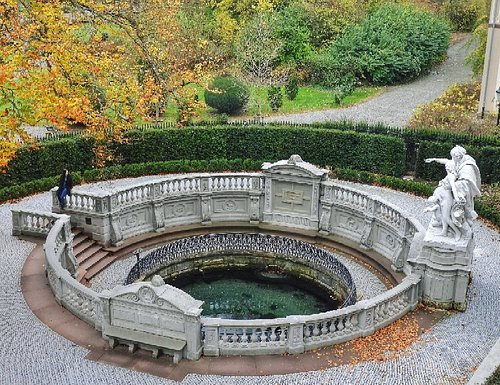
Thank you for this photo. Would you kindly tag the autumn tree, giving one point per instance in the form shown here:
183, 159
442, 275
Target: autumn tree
99, 64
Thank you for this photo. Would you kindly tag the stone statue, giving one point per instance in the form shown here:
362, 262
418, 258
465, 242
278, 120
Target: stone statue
453, 199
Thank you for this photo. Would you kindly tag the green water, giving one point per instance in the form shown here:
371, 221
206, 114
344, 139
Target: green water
249, 295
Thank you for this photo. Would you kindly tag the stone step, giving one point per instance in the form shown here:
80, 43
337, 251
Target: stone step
94, 259
88, 253
82, 246
99, 266
81, 276
79, 238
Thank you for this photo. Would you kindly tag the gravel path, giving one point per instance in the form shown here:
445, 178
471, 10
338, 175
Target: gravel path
395, 106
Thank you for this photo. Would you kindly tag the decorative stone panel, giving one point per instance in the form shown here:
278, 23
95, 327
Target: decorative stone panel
292, 193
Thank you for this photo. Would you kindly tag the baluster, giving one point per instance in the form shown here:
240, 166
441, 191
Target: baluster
273, 337
307, 331
316, 329
224, 336
324, 328
254, 336
340, 326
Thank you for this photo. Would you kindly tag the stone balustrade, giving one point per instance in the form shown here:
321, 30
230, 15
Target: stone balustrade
296, 334
32, 222
291, 195
61, 266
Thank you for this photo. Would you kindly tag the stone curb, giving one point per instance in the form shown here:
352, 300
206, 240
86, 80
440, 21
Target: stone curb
487, 367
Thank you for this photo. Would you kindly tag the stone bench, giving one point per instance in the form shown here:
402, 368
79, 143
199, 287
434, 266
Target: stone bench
171, 345
152, 316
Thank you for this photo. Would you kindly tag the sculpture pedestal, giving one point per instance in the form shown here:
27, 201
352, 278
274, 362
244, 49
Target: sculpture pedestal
445, 266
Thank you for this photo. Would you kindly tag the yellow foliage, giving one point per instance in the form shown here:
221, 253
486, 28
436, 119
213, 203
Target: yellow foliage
92, 63
453, 110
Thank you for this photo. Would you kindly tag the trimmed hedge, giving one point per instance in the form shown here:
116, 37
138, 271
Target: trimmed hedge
487, 158
349, 144
48, 158
360, 151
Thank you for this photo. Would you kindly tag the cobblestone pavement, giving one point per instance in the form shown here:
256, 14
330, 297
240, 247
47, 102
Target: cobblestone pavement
395, 106
31, 353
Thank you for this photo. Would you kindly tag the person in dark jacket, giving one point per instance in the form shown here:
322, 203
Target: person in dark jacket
65, 186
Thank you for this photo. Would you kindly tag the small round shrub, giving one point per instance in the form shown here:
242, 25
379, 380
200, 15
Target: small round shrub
227, 94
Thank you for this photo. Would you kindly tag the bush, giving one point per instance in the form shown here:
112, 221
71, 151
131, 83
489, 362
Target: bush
453, 110
463, 15
290, 27
227, 94
275, 97
292, 87
48, 158
393, 44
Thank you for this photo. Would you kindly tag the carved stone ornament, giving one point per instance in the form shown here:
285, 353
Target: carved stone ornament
146, 294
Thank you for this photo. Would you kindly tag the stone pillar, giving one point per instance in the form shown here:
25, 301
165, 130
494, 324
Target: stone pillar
211, 343
192, 325
68, 260
491, 70
445, 266
296, 336
366, 322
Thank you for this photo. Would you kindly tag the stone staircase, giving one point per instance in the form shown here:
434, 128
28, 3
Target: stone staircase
91, 256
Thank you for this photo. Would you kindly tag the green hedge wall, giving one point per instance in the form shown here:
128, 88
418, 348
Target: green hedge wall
487, 158
360, 151
361, 146
48, 158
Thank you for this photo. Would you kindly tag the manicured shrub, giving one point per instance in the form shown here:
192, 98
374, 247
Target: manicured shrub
275, 97
227, 94
48, 158
393, 44
292, 87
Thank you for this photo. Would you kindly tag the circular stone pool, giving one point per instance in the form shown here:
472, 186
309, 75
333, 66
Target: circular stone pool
255, 293
248, 276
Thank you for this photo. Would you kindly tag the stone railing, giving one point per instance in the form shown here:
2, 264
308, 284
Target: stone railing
296, 334
31, 222
59, 261
288, 195
179, 200
367, 221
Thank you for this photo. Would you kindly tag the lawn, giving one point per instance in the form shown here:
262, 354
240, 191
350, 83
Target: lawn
308, 99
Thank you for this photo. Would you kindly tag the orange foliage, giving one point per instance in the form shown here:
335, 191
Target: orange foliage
99, 64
